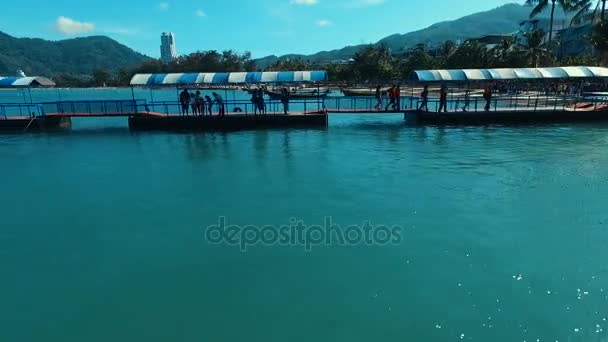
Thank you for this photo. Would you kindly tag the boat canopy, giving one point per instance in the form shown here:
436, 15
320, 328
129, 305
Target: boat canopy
25, 82
481, 75
228, 78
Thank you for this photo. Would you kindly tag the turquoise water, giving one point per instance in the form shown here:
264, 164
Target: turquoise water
504, 233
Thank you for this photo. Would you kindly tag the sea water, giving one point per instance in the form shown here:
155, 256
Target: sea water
103, 232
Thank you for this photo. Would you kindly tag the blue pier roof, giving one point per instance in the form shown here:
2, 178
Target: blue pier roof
25, 82
480, 75
228, 78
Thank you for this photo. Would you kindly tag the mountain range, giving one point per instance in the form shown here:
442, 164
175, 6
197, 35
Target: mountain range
501, 20
82, 56
79, 56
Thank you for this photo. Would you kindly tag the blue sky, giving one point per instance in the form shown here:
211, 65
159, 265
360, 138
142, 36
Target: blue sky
263, 27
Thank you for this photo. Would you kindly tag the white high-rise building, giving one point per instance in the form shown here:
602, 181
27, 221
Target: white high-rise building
167, 47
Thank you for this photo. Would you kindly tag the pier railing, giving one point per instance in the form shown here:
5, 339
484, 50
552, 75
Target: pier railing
476, 103
9, 110
272, 107
366, 104
516, 103
105, 107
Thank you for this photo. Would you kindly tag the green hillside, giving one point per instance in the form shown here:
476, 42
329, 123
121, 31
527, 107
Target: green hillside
79, 56
504, 19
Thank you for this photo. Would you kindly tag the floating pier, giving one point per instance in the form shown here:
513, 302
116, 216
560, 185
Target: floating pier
35, 124
229, 122
504, 117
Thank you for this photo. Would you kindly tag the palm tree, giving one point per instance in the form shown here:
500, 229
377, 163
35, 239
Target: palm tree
534, 50
541, 5
599, 39
583, 9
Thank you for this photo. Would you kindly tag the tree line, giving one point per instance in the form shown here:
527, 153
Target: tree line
376, 64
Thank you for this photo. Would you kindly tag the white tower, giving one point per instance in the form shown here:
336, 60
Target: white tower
167, 47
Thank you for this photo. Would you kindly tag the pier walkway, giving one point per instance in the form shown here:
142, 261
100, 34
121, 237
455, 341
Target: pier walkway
302, 111
330, 105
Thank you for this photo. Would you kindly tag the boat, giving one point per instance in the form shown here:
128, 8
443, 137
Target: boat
361, 91
304, 93
369, 92
587, 107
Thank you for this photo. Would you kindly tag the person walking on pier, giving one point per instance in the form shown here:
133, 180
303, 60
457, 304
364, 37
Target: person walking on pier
209, 103
487, 95
425, 99
220, 104
443, 99
467, 100
184, 99
193, 103
391, 95
397, 105
378, 98
285, 100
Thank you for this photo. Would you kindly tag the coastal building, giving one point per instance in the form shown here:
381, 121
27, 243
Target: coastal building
574, 41
168, 51
491, 41
525, 27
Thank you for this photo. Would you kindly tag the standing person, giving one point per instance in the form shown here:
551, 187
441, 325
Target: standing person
397, 105
184, 99
209, 103
378, 98
200, 104
467, 100
255, 101
261, 105
285, 100
425, 99
193, 103
391, 95
443, 99
487, 95
220, 104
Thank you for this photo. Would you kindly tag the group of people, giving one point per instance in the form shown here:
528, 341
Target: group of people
443, 99
257, 100
394, 94
259, 105
200, 105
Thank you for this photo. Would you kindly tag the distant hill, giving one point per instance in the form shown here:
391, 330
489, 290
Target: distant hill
504, 19
79, 56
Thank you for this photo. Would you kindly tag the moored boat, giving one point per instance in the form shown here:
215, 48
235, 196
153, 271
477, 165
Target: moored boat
304, 93
587, 107
361, 91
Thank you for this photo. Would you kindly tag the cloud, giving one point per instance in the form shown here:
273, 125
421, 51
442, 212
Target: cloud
323, 23
200, 13
71, 26
304, 2
164, 5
